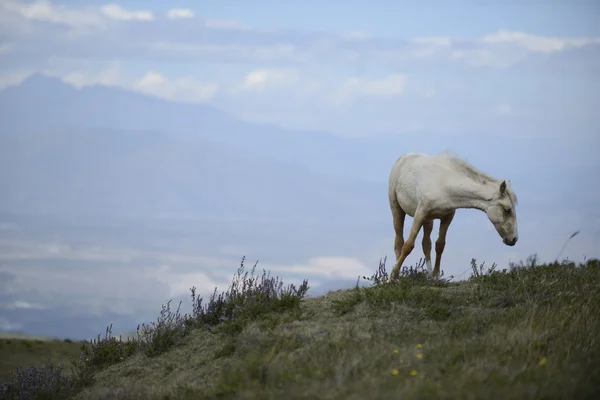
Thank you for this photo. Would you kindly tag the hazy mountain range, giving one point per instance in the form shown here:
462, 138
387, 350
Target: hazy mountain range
102, 151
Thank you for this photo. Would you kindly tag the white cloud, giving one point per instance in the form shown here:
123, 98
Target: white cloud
319, 89
269, 79
180, 13
429, 47
489, 58
186, 89
44, 10
351, 88
109, 77
338, 267
389, 86
244, 44
12, 250
18, 304
179, 283
497, 50
117, 12
25, 250
538, 44
13, 78
139, 287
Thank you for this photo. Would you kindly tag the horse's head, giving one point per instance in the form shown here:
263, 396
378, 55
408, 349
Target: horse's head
501, 212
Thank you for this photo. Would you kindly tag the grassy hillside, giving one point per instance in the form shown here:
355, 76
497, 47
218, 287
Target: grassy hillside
531, 332
22, 351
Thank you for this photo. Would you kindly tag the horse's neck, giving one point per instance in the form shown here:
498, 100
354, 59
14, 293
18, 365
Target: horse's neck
468, 193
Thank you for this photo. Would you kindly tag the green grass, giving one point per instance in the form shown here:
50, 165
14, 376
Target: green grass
23, 352
531, 332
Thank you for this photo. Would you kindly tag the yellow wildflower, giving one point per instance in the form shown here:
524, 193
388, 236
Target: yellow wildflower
396, 351
420, 356
413, 372
543, 361
419, 346
395, 371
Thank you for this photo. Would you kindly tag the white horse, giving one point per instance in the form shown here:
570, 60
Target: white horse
428, 187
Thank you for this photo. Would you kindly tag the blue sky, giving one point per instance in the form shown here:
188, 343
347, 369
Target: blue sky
401, 18
512, 86
398, 18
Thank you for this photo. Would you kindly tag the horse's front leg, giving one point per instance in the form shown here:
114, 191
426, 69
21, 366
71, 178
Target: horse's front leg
440, 243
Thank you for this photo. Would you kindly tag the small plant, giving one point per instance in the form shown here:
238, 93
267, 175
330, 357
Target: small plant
415, 272
418, 272
480, 270
380, 276
45, 382
349, 302
248, 297
168, 331
530, 262
102, 352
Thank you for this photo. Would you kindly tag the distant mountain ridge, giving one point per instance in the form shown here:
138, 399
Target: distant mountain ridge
43, 103
104, 151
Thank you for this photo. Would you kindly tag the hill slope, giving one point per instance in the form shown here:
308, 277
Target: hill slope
18, 350
529, 333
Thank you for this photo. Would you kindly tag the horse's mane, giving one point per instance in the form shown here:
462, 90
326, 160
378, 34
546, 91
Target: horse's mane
474, 173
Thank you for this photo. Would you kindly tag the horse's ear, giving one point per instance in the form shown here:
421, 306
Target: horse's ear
502, 188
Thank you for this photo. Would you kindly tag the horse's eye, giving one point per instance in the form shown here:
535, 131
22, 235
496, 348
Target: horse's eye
507, 211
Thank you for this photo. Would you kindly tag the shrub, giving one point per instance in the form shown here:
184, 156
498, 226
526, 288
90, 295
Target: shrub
100, 353
247, 298
418, 273
168, 331
45, 382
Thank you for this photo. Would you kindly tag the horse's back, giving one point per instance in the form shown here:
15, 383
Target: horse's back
406, 164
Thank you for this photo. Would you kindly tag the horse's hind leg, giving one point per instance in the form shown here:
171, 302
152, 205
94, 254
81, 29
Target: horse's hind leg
427, 228
399, 216
440, 244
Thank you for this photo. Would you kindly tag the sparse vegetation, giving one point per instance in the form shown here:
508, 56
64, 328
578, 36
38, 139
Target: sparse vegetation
531, 331
45, 382
24, 352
